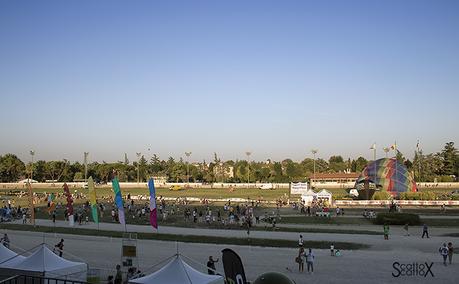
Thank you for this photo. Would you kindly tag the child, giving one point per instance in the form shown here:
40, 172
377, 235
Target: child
332, 250
406, 230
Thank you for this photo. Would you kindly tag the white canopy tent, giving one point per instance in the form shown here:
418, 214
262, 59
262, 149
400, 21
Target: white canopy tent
308, 196
8, 256
325, 195
43, 262
177, 271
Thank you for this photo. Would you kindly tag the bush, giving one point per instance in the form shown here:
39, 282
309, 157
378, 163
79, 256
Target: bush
381, 195
424, 195
445, 179
397, 219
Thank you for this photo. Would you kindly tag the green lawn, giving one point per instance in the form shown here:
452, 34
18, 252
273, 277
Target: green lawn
189, 238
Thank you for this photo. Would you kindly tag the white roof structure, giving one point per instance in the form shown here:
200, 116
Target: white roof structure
324, 193
9, 256
177, 271
28, 180
43, 261
309, 192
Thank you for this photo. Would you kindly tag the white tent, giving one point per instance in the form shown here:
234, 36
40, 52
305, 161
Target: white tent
8, 256
325, 194
43, 262
177, 271
308, 196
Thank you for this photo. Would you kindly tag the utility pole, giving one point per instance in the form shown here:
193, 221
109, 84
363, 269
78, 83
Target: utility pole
386, 150
32, 153
138, 166
188, 154
314, 152
86, 167
248, 166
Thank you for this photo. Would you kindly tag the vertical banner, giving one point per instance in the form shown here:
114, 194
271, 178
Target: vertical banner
51, 203
93, 200
69, 204
118, 200
31, 206
153, 213
232, 264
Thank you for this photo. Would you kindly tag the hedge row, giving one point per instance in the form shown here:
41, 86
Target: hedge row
397, 219
423, 195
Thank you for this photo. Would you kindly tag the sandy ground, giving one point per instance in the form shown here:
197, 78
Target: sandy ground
362, 266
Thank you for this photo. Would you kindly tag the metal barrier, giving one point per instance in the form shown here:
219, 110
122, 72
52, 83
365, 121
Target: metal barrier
28, 279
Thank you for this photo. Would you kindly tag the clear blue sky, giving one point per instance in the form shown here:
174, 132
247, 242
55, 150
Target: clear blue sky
275, 77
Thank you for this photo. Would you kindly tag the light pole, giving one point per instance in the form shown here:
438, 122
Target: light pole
386, 150
32, 153
138, 166
188, 154
373, 147
314, 152
86, 167
248, 166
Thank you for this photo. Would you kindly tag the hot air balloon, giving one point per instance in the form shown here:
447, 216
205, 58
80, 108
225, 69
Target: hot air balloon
385, 174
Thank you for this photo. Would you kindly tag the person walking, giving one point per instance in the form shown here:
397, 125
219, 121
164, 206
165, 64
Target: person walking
406, 229
386, 231
119, 275
310, 261
300, 241
300, 259
450, 252
444, 253
425, 231
332, 250
60, 247
211, 265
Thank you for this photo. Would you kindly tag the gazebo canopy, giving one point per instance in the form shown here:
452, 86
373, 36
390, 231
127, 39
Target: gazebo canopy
177, 271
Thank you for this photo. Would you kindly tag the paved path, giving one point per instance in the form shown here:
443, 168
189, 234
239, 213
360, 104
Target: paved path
362, 266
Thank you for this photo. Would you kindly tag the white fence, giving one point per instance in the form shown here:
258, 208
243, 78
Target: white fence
400, 202
143, 185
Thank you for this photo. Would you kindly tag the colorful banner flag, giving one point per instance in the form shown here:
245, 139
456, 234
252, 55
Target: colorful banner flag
93, 200
51, 203
69, 204
31, 205
118, 200
153, 214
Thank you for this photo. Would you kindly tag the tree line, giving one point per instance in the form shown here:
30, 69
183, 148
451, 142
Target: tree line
440, 166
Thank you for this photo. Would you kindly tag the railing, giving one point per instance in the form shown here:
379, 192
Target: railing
28, 279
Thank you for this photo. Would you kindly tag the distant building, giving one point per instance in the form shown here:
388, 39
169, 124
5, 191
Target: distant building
160, 179
333, 180
224, 171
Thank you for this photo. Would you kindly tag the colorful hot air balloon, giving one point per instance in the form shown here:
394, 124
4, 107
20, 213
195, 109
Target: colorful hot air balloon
386, 174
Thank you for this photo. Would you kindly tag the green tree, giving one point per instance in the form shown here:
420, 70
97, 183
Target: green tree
39, 171
449, 156
359, 164
12, 168
337, 164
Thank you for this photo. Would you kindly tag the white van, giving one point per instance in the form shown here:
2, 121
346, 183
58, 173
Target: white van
266, 186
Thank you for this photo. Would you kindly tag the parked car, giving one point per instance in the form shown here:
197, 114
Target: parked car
175, 188
267, 186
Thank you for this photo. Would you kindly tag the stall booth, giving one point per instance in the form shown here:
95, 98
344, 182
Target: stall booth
177, 271
44, 263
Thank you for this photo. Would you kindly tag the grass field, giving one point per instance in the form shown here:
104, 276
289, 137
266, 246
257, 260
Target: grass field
188, 238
